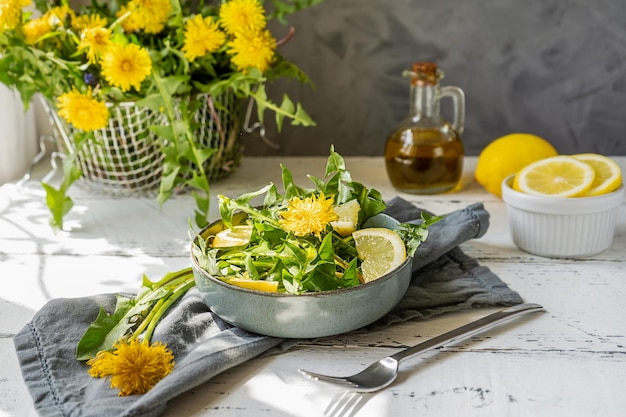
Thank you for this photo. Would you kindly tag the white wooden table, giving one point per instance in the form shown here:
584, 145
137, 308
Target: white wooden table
568, 361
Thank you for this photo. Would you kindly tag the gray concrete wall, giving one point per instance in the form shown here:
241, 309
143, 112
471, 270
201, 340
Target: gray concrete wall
555, 68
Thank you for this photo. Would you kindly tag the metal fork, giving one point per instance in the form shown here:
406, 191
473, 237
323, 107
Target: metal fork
382, 373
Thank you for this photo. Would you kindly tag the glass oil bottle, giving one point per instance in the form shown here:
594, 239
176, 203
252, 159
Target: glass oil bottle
424, 155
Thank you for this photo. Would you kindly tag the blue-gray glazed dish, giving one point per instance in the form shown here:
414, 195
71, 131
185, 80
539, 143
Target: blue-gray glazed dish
309, 315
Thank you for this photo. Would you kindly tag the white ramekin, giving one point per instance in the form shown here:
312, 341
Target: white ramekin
561, 227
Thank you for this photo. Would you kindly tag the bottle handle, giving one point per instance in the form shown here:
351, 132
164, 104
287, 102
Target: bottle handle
458, 101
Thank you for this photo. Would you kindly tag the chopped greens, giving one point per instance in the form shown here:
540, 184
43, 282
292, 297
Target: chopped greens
293, 237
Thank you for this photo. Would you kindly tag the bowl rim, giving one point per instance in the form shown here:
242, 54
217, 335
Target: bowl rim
560, 205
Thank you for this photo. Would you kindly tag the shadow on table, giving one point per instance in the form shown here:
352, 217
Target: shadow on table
346, 404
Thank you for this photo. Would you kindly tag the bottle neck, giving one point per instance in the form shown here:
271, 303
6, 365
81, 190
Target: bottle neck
424, 100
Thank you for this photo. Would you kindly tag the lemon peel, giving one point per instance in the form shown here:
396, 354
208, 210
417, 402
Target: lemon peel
608, 173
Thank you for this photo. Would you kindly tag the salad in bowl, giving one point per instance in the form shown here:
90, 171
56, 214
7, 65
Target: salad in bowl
307, 262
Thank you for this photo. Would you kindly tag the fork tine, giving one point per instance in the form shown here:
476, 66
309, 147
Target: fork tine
326, 378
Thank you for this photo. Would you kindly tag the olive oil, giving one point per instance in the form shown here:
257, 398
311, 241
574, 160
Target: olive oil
424, 154
424, 161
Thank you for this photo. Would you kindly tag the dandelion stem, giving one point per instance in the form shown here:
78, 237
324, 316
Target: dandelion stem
166, 304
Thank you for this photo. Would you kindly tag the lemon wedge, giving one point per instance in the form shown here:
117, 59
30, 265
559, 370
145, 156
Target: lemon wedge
347, 217
608, 173
228, 238
380, 250
253, 284
558, 176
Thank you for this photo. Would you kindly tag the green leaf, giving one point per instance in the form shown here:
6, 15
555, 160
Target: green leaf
100, 335
291, 189
165, 132
287, 107
57, 200
154, 102
59, 205
251, 268
169, 177
202, 204
321, 277
414, 234
350, 276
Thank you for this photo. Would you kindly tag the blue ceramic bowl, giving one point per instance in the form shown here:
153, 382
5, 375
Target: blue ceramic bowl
309, 315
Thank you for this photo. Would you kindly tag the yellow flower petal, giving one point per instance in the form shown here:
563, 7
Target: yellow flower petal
88, 21
148, 15
252, 49
311, 215
237, 16
202, 36
134, 367
35, 29
124, 66
95, 41
102, 365
11, 13
82, 110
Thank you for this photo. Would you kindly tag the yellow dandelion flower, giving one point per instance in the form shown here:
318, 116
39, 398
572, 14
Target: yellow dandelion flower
238, 16
252, 50
83, 111
35, 29
202, 36
149, 15
124, 66
134, 367
88, 21
308, 216
11, 13
130, 23
95, 41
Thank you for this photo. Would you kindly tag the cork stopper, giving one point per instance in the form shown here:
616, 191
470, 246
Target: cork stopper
424, 73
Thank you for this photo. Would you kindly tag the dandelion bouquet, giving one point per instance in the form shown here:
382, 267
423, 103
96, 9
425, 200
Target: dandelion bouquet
159, 54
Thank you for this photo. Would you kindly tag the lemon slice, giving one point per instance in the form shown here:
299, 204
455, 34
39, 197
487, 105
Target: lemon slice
380, 250
558, 176
228, 238
347, 217
608, 173
253, 284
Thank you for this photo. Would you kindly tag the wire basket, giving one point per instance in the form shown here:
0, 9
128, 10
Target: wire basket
126, 157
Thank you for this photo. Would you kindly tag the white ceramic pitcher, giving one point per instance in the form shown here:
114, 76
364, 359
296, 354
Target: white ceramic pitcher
18, 136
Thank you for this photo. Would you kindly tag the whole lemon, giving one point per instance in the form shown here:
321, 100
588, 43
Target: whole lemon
507, 155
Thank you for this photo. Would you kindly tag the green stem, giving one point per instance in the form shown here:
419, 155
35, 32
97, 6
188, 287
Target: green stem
146, 321
252, 212
172, 276
173, 279
238, 261
176, 294
199, 180
278, 110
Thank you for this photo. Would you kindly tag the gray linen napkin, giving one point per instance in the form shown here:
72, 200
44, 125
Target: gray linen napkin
445, 279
